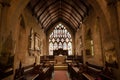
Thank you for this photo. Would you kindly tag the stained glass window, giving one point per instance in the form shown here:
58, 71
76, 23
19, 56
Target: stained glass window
92, 49
60, 38
50, 48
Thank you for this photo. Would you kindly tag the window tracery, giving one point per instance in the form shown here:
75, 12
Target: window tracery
60, 38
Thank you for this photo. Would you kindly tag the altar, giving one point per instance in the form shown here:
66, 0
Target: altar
60, 56
60, 59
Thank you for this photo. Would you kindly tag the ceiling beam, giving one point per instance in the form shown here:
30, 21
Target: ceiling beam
84, 11
87, 8
63, 11
49, 22
47, 7
73, 8
69, 20
66, 16
46, 15
60, 20
71, 14
49, 19
36, 5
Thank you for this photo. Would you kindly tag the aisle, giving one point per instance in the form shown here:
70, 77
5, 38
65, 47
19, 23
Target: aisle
61, 75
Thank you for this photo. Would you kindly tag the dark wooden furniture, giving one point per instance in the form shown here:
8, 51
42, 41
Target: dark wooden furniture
34, 72
21, 72
107, 74
45, 73
6, 73
92, 72
6, 70
74, 72
106, 77
60, 52
99, 72
84, 72
44, 59
71, 57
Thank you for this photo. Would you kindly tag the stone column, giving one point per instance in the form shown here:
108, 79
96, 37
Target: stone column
117, 72
37, 57
3, 21
114, 9
83, 39
0, 27
118, 12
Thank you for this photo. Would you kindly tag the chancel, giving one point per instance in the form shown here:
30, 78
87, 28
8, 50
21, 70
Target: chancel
59, 39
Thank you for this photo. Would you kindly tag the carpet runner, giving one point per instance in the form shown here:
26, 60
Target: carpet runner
60, 75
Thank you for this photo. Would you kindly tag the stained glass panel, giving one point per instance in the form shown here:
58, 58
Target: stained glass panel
50, 48
60, 38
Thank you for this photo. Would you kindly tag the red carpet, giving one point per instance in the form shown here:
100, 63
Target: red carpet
60, 75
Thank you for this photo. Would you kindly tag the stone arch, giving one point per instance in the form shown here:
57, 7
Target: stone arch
68, 27
101, 7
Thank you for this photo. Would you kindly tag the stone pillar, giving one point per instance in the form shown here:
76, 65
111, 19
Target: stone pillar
114, 9
118, 12
0, 14
83, 39
0, 26
37, 57
3, 21
98, 43
117, 72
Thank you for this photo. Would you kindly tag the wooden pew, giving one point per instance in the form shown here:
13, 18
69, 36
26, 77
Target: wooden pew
6, 73
6, 70
107, 74
34, 72
45, 73
89, 72
74, 72
92, 72
21, 72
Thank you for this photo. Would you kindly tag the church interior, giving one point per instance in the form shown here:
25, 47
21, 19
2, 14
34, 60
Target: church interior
59, 39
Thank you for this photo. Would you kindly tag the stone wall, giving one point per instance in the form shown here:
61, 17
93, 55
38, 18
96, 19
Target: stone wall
23, 54
91, 23
103, 21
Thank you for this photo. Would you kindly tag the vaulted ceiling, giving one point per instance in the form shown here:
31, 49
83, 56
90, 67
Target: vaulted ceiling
48, 12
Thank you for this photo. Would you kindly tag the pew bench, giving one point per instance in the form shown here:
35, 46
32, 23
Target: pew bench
21, 72
92, 72
74, 70
87, 76
39, 72
45, 73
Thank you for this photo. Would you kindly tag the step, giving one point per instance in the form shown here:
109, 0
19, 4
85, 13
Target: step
60, 67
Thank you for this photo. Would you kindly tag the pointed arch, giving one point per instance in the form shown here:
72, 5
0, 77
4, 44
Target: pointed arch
60, 37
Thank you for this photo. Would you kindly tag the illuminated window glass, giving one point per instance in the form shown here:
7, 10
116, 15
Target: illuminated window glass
60, 38
92, 49
64, 46
69, 48
51, 48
